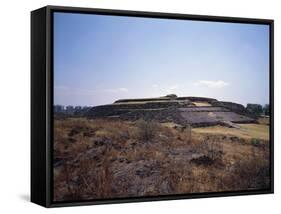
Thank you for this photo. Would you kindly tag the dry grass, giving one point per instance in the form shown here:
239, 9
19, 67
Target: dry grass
105, 158
248, 131
264, 120
147, 130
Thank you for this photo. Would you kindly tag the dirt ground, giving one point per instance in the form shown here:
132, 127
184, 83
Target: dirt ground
96, 159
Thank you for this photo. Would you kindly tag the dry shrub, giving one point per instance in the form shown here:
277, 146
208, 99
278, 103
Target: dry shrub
147, 130
180, 178
83, 180
215, 150
211, 149
248, 173
188, 132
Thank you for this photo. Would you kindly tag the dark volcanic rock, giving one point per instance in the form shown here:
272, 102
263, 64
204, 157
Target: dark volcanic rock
203, 160
73, 132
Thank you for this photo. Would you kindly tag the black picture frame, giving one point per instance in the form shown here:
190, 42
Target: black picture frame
42, 102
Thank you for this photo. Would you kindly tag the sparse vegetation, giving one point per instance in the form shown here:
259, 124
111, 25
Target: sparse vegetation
264, 120
147, 130
246, 131
101, 158
255, 142
249, 173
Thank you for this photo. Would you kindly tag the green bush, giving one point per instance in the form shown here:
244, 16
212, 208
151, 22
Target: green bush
255, 142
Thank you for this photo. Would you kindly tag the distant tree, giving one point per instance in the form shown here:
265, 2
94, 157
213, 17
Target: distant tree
266, 109
255, 109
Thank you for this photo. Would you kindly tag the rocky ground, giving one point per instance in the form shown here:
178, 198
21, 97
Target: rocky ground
98, 158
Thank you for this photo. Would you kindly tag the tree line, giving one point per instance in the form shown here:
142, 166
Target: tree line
258, 110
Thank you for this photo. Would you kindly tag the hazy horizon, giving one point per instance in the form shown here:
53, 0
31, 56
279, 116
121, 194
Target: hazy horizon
99, 59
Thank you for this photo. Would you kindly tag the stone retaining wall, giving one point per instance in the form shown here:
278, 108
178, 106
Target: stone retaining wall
179, 110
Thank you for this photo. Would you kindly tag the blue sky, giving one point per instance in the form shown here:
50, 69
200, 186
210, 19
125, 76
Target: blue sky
99, 59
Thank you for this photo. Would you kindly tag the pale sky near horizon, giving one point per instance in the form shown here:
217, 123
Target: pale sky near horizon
99, 59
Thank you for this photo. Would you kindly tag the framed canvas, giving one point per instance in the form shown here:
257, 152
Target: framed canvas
131, 106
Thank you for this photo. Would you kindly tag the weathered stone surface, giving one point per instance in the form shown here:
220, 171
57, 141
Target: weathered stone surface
235, 107
180, 110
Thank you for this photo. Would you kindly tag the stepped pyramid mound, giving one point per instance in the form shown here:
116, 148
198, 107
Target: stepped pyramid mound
195, 111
